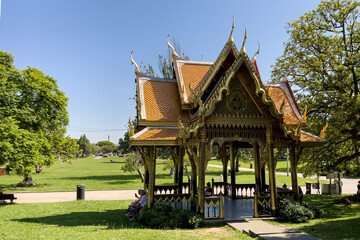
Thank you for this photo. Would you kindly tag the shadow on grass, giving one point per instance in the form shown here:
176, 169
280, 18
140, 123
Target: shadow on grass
335, 229
112, 219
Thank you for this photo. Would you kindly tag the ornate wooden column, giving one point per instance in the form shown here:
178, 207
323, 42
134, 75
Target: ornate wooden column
262, 177
271, 166
293, 167
232, 170
192, 153
201, 167
224, 159
257, 176
180, 155
151, 154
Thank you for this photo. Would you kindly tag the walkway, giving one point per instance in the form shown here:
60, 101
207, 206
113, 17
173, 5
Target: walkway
40, 197
259, 228
349, 184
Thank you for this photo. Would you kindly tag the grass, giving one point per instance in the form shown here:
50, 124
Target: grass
91, 220
281, 165
100, 174
340, 221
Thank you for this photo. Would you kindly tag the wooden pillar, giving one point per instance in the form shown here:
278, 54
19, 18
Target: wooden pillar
271, 166
180, 153
201, 163
224, 160
146, 175
263, 178
232, 170
193, 183
257, 176
293, 167
151, 154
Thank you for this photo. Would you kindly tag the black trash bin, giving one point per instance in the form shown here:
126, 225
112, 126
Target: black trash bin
308, 187
80, 192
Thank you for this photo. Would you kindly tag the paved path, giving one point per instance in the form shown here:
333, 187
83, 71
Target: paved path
258, 228
38, 197
349, 184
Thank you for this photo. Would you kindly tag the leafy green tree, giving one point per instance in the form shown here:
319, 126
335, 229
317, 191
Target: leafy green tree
84, 145
133, 162
321, 61
124, 145
107, 148
33, 119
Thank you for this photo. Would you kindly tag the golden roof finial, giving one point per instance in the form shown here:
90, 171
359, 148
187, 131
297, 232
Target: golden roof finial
257, 52
231, 39
270, 91
304, 115
170, 46
322, 133
137, 69
243, 51
132, 130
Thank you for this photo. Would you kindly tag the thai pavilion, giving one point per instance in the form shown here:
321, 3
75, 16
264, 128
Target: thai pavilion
222, 104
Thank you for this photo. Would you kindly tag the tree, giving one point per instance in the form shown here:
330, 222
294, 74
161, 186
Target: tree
106, 146
321, 61
133, 162
84, 145
33, 119
124, 145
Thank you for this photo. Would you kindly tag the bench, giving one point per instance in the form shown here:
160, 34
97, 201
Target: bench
5, 196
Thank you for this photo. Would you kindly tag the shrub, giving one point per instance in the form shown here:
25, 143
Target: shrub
164, 216
292, 211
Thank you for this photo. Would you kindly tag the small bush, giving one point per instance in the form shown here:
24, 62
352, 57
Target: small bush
164, 216
292, 211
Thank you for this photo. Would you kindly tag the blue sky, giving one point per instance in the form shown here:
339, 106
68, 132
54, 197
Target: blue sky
85, 45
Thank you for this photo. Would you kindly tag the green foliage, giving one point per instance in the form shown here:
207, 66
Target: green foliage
162, 153
124, 145
133, 162
106, 146
292, 211
103, 143
321, 61
164, 216
33, 118
84, 145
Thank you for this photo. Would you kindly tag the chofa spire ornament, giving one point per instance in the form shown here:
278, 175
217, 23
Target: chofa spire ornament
132, 129
170, 46
257, 52
231, 39
323, 131
304, 115
137, 69
243, 51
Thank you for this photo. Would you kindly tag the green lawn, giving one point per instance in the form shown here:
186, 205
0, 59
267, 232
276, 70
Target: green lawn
340, 221
91, 220
280, 166
100, 174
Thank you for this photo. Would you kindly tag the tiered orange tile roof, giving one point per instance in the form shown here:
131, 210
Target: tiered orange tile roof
160, 101
306, 137
279, 93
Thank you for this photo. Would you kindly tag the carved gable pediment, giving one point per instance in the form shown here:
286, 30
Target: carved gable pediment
236, 103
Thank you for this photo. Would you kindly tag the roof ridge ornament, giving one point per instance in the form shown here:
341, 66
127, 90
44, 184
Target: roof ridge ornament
257, 52
243, 51
323, 131
137, 69
170, 46
305, 112
231, 39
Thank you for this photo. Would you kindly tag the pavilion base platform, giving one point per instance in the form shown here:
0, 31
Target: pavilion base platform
238, 209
